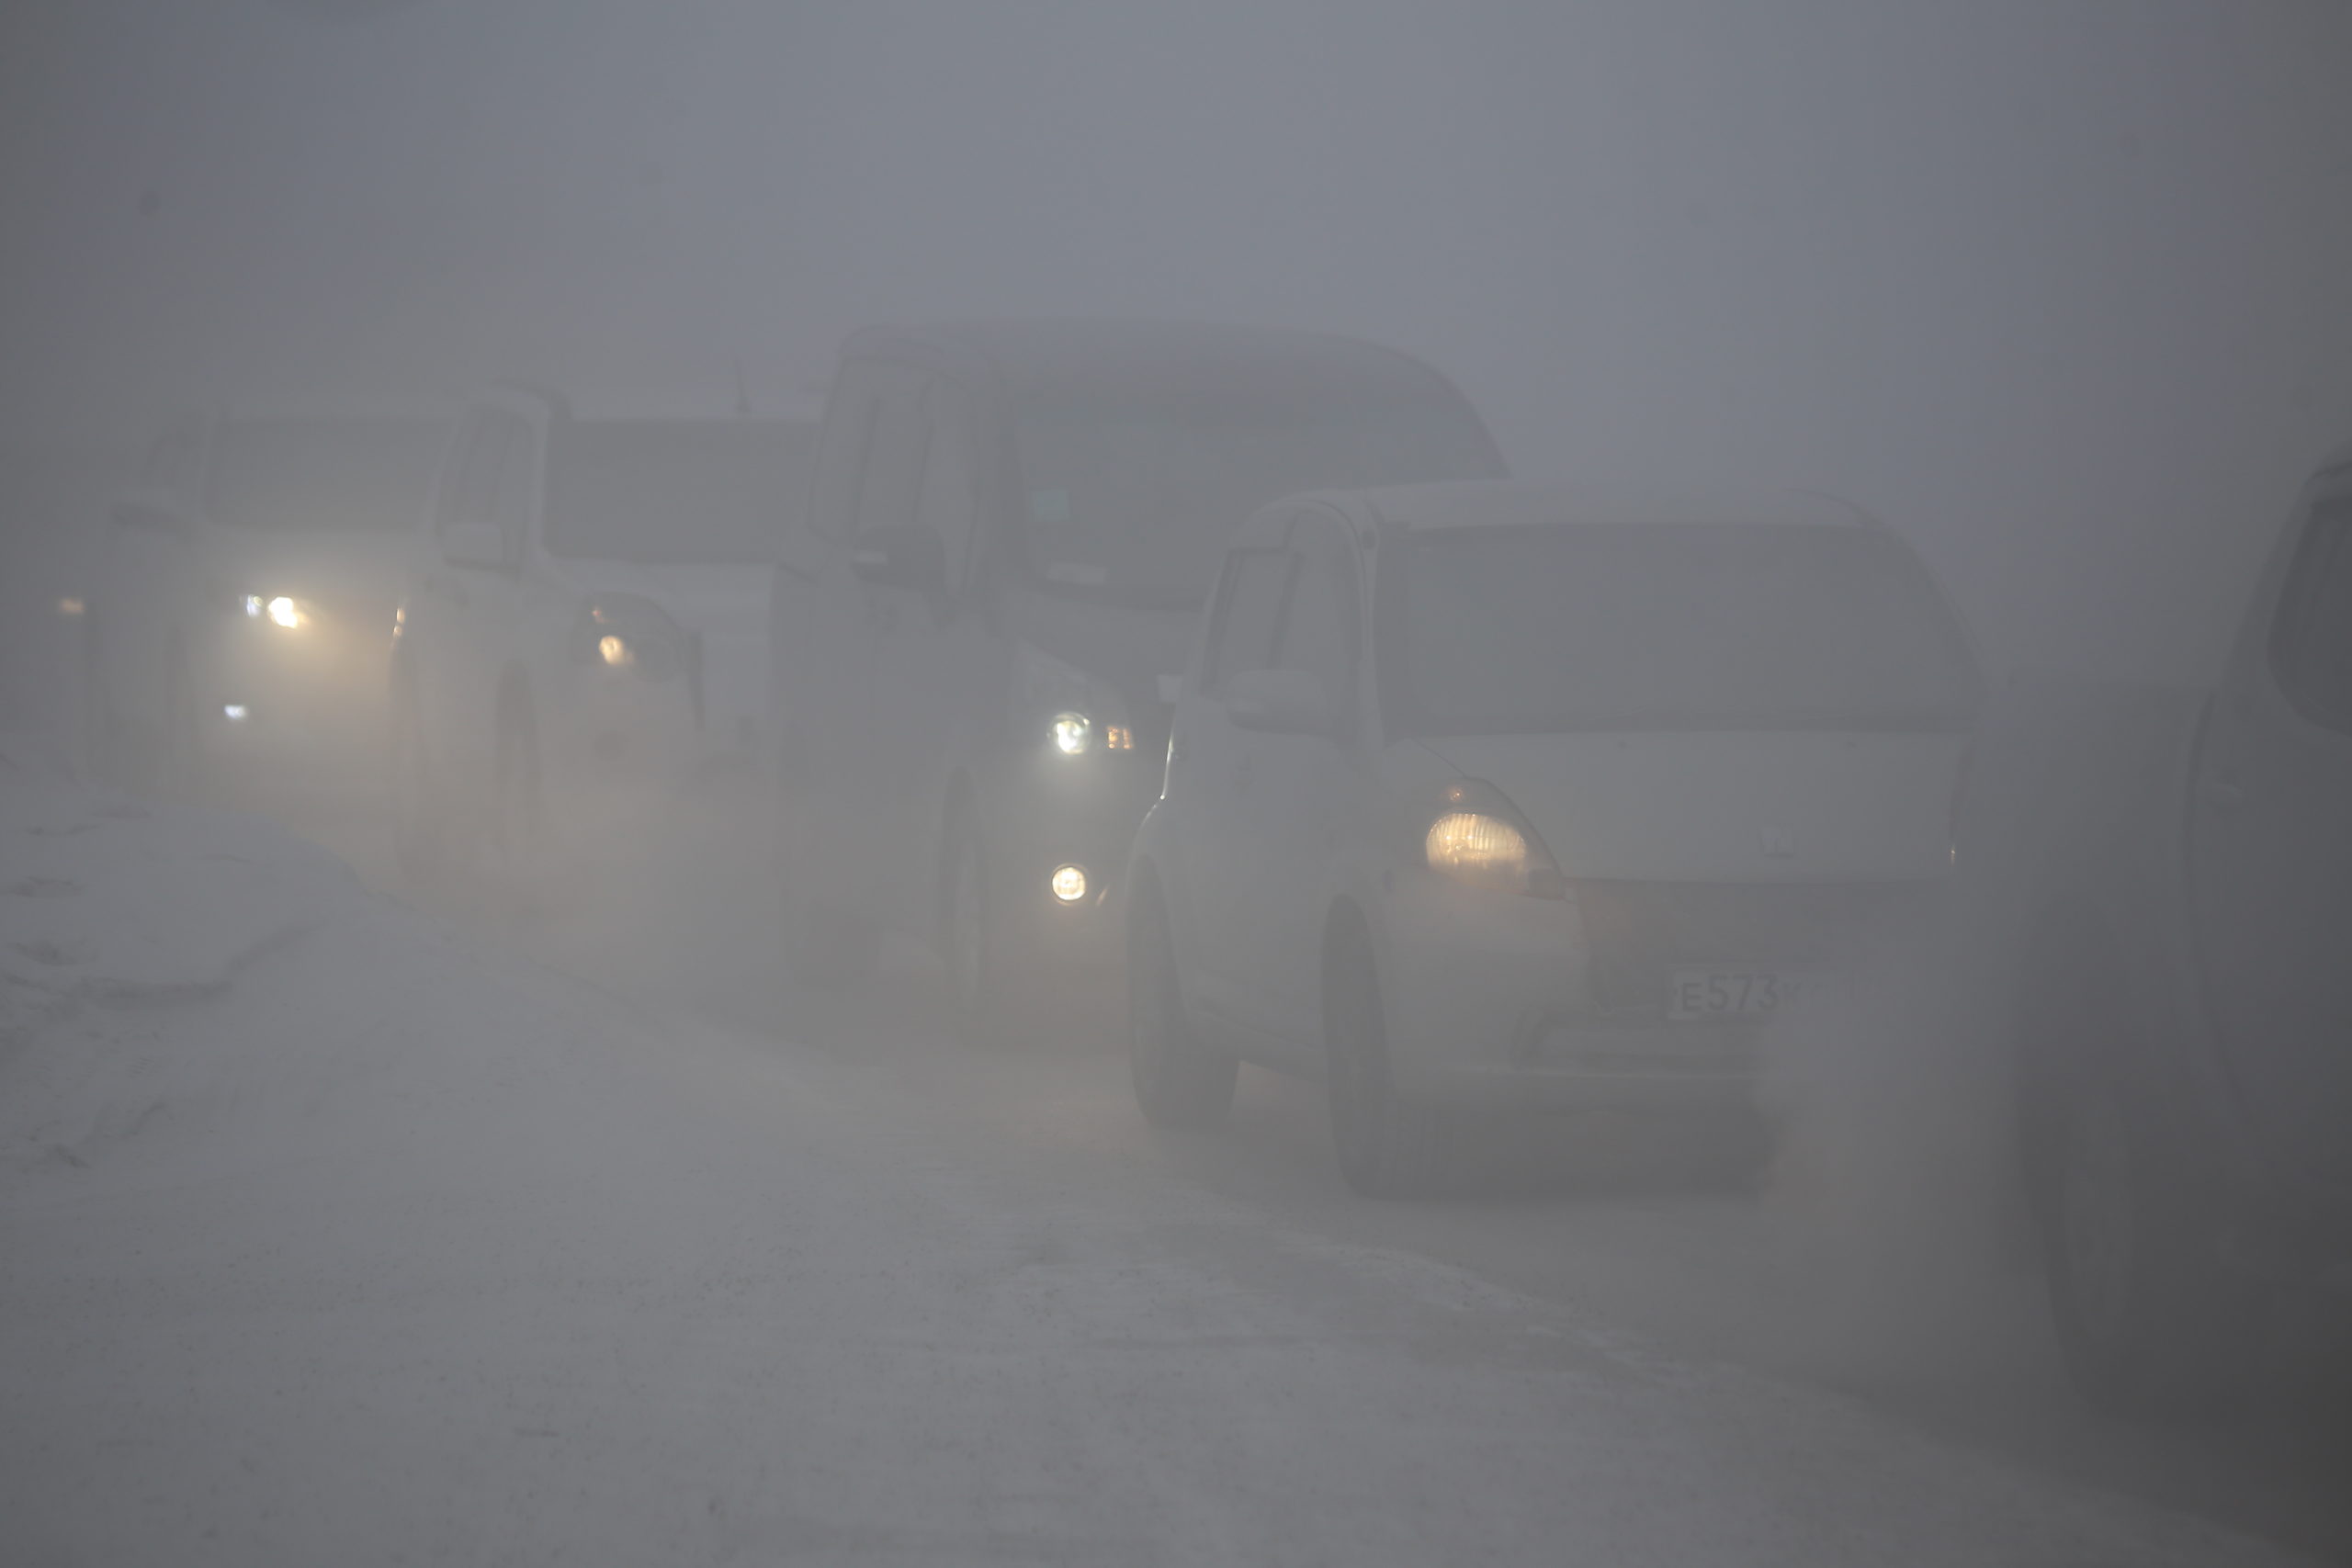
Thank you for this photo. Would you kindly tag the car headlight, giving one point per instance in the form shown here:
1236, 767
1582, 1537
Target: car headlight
1078, 714
1479, 838
628, 633
282, 610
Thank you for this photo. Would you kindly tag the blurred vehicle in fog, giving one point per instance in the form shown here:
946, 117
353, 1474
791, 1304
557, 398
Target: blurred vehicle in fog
2166, 879
977, 633
244, 603
590, 601
1487, 797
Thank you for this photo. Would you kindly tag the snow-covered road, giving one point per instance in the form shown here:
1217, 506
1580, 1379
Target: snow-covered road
405, 1245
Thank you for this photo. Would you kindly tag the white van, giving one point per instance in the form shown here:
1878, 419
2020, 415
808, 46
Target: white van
1484, 796
243, 617
590, 594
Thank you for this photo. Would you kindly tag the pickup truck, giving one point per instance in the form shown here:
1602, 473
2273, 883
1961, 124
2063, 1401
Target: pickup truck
2167, 875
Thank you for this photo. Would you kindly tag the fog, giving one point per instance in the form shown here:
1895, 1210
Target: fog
607, 1128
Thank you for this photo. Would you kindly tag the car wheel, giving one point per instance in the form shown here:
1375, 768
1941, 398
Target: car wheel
518, 823
1388, 1146
827, 948
1179, 1081
2150, 1321
419, 844
981, 986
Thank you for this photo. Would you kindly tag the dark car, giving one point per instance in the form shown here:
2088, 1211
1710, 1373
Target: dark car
979, 634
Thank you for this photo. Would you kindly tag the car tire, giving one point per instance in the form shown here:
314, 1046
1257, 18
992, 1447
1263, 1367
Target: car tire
1388, 1146
1179, 1082
983, 987
2152, 1324
827, 948
419, 840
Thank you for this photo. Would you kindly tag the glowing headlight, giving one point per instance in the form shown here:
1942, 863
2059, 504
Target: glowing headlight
1488, 850
1073, 733
1068, 882
280, 609
614, 651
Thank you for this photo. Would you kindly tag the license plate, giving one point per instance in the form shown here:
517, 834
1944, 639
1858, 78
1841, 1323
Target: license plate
1693, 994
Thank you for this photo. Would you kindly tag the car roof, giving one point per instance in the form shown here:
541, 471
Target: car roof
1081, 354
1506, 504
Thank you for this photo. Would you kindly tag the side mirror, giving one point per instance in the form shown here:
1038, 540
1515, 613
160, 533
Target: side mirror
153, 510
474, 544
901, 558
1278, 702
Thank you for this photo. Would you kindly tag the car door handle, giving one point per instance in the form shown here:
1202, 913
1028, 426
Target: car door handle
2223, 795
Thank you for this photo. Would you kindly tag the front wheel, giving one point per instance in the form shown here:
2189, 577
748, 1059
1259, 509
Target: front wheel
2150, 1322
419, 835
1179, 1082
1388, 1146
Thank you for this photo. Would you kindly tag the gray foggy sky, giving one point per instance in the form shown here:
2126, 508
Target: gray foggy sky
2060, 288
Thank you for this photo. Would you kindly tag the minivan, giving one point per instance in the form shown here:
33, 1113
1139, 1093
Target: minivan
979, 630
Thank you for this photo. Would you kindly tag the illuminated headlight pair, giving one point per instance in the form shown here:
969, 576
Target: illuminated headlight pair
1073, 734
279, 610
1477, 838
629, 634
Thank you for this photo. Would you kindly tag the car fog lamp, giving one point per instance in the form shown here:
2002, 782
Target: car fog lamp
614, 651
235, 713
283, 612
1068, 882
1073, 734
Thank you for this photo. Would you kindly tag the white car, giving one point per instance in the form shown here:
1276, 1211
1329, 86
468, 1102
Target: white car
1481, 796
240, 626
589, 596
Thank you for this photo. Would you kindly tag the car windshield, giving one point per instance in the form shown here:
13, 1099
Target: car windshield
323, 476
712, 491
1516, 630
1133, 498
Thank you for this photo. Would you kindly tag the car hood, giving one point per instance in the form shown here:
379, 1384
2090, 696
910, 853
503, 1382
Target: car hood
717, 600
1737, 806
1132, 649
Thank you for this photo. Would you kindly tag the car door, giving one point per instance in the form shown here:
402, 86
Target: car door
1299, 790
881, 737
2271, 856
456, 632
1210, 777
930, 663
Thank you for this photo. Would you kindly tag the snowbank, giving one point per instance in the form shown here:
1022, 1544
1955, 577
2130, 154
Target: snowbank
107, 900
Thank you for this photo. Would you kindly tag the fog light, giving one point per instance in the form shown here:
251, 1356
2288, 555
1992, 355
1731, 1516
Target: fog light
233, 712
613, 651
1068, 882
285, 612
1073, 733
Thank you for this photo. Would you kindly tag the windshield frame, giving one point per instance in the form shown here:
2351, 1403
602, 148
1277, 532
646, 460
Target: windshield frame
1400, 720
1438, 401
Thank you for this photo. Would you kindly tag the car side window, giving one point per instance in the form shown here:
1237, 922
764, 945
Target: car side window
1250, 609
1319, 631
2311, 653
950, 501
891, 485
469, 482
841, 449
175, 463
517, 476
